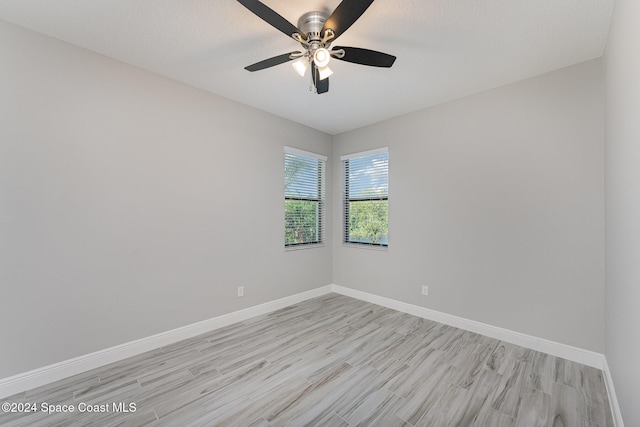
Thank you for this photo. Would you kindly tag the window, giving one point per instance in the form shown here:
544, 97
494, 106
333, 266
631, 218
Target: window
303, 198
366, 197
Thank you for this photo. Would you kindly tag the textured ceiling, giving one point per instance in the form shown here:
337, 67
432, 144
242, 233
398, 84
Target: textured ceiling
446, 49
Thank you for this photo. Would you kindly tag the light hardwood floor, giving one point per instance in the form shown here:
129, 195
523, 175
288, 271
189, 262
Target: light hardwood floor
332, 361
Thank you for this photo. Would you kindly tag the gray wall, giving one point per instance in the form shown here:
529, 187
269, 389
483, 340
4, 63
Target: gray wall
497, 204
131, 204
622, 79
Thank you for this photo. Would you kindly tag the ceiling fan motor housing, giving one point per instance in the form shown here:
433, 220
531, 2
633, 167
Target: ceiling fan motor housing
311, 24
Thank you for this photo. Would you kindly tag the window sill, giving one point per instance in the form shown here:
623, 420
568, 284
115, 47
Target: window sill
301, 247
365, 246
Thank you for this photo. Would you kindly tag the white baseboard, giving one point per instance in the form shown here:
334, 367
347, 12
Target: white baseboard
565, 351
575, 354
38, 377
41, 376
611, 393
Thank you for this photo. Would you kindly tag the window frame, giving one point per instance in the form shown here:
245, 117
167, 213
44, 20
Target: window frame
347, 200
319, 199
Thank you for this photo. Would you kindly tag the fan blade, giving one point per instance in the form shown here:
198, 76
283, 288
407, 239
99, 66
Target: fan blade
322, 86
276, 60
271, 17
361, 56
345, 15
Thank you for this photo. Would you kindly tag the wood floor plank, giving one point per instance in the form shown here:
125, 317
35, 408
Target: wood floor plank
568, 373
260, 422
543, 372
257, 405
595, 400
471, 365
377, 409
332, 361
564, 406
507, 395
138, 419
447, 409
496, 361
480, 396
534, 410
417, 375
425, 394
315, 399
491, 417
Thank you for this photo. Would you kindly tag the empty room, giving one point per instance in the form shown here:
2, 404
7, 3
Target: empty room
320, 213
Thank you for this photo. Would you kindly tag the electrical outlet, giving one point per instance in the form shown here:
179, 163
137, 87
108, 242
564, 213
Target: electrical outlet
425, 290
240, 291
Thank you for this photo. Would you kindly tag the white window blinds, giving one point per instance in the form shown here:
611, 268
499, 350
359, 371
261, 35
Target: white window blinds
304, 197
366, 197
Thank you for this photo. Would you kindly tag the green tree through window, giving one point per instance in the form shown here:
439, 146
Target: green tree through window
366, 198
304, 197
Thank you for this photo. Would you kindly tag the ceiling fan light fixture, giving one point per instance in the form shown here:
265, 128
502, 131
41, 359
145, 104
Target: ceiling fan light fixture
321, 57
301, 65
316, 32
324, 72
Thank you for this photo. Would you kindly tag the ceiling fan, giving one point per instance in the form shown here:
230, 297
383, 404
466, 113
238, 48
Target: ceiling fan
316, 32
